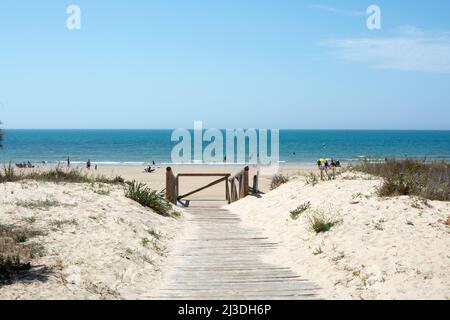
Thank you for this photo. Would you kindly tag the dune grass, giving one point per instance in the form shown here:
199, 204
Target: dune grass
299, 210
15, 253
149, 198
428, 180
39, 204
321, 223
72, 175
278, 180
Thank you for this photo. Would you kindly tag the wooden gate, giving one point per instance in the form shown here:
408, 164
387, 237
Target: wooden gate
236, 187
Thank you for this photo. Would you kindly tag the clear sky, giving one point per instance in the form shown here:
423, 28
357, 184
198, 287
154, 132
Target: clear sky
253, 63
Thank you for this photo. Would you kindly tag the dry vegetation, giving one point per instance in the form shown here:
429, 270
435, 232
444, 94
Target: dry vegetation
278, 180
133, 190
20, 254
58, 175
16, 251
410, 177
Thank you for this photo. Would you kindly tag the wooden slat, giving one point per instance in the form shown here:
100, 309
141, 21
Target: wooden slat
221, 259
203, 188
204, 175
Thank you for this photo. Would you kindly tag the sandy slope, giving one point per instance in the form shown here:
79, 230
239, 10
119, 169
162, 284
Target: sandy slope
382, 248
96, 246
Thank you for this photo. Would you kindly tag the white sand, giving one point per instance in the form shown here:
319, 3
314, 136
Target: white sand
98, 251
157, 179
383, 248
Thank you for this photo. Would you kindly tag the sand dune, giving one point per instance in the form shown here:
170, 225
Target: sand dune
100, 245
97, 243
382, 248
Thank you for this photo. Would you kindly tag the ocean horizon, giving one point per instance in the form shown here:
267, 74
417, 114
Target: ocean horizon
141, 146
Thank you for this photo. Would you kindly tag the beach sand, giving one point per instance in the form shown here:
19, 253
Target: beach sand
156, 180
97, 244
101, 245
381, 248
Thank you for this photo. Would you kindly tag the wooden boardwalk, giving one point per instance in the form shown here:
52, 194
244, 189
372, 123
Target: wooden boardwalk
220, 259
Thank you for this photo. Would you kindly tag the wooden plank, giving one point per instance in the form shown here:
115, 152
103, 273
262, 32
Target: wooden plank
202, 188
204, 175
221, 259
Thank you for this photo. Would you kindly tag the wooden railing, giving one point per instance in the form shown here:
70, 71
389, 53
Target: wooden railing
236, 187
239, 185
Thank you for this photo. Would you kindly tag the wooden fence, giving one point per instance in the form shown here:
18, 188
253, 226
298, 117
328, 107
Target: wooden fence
236, 187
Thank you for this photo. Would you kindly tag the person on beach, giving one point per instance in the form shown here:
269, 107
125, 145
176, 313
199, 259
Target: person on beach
88, 164
319, 164
68, 162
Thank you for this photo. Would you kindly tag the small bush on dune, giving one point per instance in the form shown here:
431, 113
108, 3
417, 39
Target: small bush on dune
278, 180
410, 177
15, 254
10, 266
312, 179
39, 204
149, 198
299, 210
320, 223
8, 174
115, 180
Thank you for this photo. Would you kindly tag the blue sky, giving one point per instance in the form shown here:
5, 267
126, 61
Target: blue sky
264, 64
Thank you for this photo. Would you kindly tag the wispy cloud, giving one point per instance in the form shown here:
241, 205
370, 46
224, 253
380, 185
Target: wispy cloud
339, 11
409, 49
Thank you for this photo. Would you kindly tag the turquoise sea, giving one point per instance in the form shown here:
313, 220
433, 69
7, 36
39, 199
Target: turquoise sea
143, 146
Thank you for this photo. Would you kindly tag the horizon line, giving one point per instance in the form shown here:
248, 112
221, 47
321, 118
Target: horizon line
286, 129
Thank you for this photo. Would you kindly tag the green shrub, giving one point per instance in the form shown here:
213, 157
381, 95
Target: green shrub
149, 198
20, 238
103, 192
320, 223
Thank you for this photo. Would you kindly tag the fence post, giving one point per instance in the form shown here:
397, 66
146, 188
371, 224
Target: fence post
227, 191
255, 183
170, 185
245, 182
